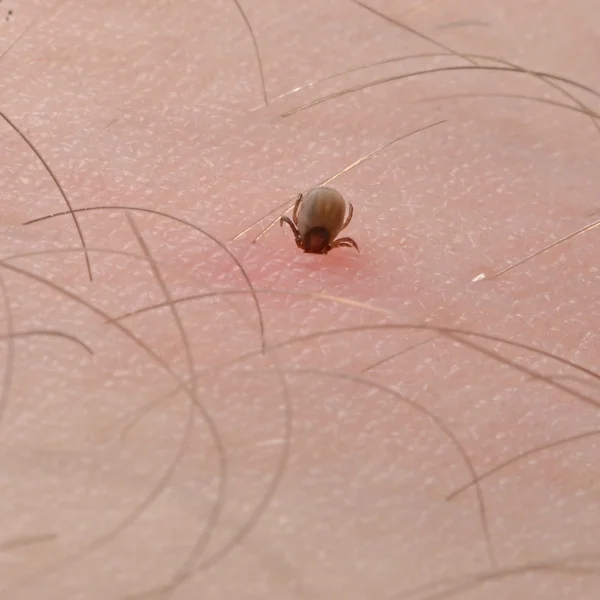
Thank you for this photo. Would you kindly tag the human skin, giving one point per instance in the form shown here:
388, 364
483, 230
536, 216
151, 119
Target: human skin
179, 449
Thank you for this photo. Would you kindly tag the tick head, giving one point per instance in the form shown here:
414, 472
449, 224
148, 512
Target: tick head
316, 240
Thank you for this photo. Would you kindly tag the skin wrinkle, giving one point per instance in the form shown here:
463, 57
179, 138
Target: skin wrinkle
345, 170
185, 571
172, 308
277, 478
395, 78
470, 58
136, 415
460, 24
58, 185
90, 547
467, 583
398, 354
452, 333
7, 374
495, 275
442, 427
361, 67
25, 32
20, 542
144, 410
547, 101
168, 304
263, 85
188, 570
183, 222
50, 333
593, 384
544, 78
439, 424
206, 535
537, 253
521, 456
335, 558
415, 32
325, 182
203, 540
470, 581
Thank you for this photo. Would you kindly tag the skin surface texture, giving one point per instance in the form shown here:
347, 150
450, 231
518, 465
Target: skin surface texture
187, 411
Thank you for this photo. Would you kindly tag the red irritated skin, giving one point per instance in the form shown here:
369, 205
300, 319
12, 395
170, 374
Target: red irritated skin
318, 219
410, 430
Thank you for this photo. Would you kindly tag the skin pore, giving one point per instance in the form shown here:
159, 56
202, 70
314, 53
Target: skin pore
185, 413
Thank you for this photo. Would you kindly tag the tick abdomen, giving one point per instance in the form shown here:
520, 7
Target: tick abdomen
322, 207
318, 217
316, 240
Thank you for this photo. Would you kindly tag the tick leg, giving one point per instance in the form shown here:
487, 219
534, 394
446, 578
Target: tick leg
346, 242
296, 207
349, 217
283, 219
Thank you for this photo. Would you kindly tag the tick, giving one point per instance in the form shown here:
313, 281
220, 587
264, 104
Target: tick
318, 219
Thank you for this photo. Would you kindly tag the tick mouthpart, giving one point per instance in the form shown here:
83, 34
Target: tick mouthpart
316, 240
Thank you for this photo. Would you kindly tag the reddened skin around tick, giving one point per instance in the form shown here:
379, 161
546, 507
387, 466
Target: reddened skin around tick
318, 219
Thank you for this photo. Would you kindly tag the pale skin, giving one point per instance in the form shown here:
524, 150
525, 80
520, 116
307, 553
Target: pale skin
340, 457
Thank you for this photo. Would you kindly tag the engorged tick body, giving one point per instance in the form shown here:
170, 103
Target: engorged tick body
318, 219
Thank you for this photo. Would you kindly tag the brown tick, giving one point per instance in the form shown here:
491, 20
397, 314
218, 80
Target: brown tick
318, 219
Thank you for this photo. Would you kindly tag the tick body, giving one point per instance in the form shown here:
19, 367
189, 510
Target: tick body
318, 219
